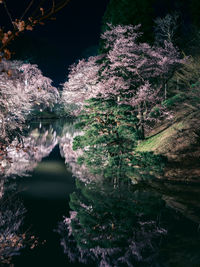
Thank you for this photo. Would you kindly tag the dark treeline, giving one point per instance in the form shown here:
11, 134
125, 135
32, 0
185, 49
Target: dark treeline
145, 12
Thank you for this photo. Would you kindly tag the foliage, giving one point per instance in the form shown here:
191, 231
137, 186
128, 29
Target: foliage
128, 86
174, 100
109, 139
137, 72
131, 73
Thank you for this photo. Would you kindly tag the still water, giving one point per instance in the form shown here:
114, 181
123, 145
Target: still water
52, 216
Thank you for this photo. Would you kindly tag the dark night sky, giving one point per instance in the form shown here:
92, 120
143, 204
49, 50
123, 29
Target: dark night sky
57, 44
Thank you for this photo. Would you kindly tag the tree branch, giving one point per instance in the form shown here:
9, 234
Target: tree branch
8, 13
27, 9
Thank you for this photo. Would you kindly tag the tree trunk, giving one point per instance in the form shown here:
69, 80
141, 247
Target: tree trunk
3, 130
165, 93
141, 121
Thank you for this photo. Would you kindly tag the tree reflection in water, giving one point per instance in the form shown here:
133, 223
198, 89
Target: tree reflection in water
112, 222
113, 226
23, 156
127, 225
12, 239
19, 159
13, 236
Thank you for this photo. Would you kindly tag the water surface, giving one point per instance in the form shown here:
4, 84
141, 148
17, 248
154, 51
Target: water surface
74, 223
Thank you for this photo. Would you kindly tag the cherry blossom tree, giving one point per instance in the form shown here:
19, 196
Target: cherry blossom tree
131, 73
39, 87
22, 88
136, 73
15, 103
82, 84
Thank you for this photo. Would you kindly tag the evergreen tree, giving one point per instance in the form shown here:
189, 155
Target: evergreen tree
109, 139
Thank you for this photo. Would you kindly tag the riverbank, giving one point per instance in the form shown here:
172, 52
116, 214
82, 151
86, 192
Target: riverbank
179, 141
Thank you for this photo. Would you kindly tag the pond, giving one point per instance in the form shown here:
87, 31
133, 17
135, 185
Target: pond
51, 215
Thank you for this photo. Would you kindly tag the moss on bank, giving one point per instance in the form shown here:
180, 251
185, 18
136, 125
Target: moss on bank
179, 141
161, 139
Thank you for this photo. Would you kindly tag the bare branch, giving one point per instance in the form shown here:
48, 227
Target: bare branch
28, 23
165, 28
53, 5
49, 12
34, 13
8, 12
27, 9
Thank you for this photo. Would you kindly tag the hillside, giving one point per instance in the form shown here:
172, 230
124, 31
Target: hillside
178, 140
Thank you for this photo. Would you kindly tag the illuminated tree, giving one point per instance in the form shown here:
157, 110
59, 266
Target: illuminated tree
22, 89
137, 73
131, 84
22, 86
38, 87
82, 84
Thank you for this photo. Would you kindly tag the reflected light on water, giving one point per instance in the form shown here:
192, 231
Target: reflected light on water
52, 167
